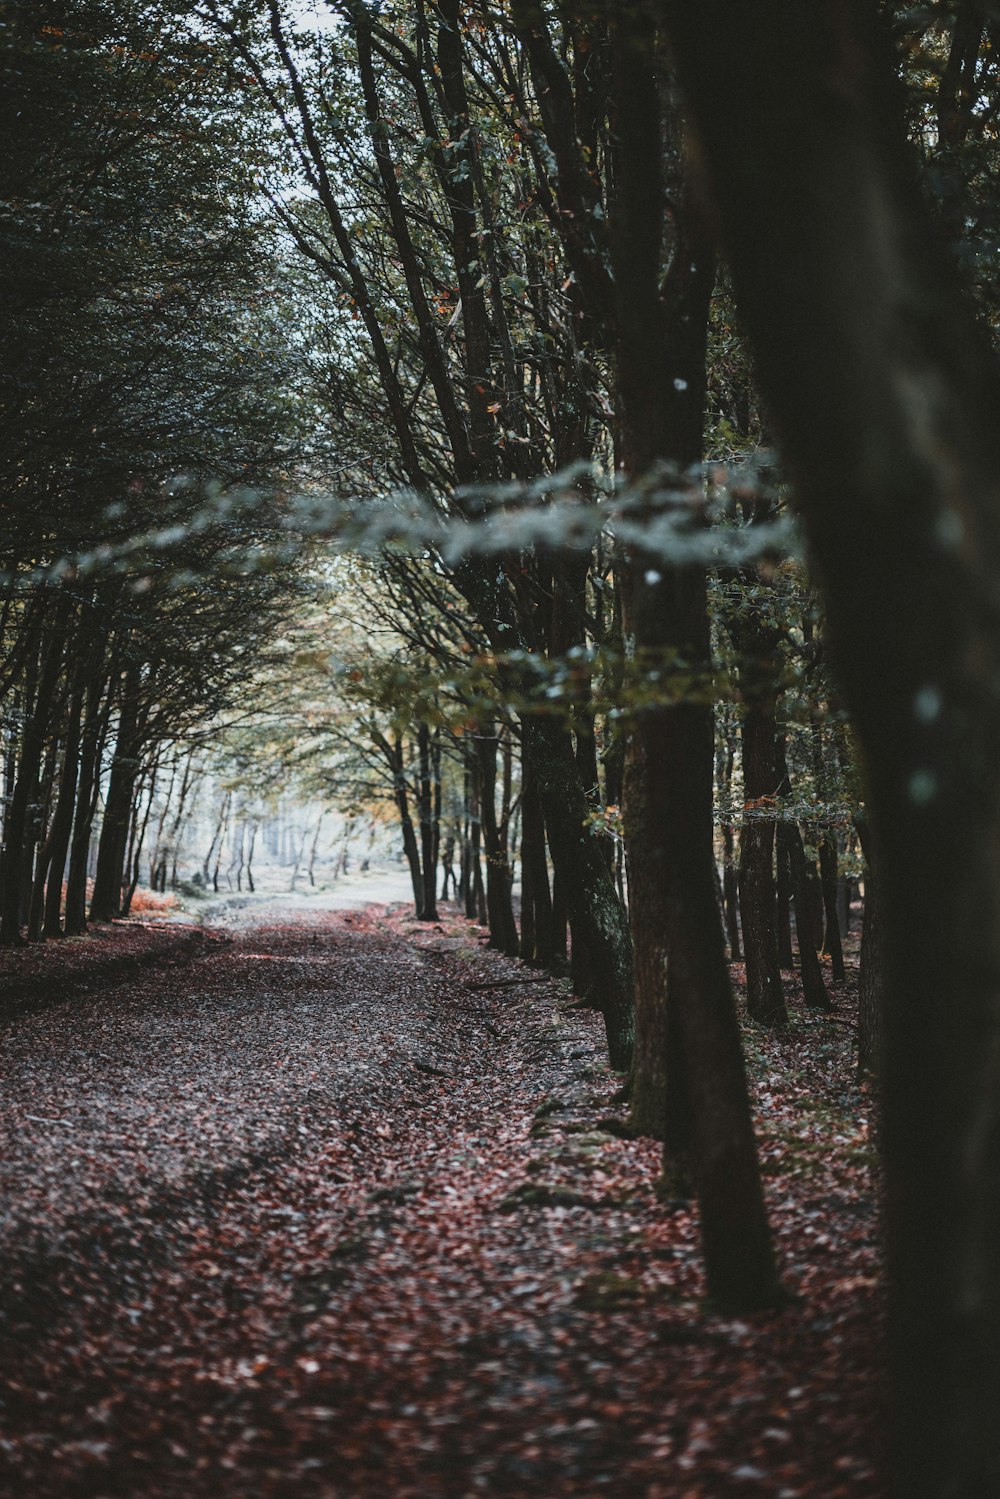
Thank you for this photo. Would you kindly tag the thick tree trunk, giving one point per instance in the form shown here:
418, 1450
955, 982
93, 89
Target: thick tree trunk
886, 397
661, 340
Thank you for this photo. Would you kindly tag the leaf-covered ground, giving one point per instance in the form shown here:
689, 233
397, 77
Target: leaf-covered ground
322, 1213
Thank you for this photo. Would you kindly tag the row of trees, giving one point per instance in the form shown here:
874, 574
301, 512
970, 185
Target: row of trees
500, 262
142, 364
503, 200
501, 203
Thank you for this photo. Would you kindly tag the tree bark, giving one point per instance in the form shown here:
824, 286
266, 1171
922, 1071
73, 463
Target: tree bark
730, 894
647, 891
591, 898
830, 882
783, 898
885, 396
40, 839
871, 978
536, 900
39, 699
106, 900
499, 876
807, 930
660, 335
804, 889
62, 818
425, 806
95, 721
765, 996
411, 847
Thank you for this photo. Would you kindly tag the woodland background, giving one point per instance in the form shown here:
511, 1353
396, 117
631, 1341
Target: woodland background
440, 419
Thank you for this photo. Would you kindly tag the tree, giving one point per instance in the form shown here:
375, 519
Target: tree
688, 1079
884, 392
144, 369
464, 319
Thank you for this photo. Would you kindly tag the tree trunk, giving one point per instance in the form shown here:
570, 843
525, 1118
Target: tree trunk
137, 835
536, 898
765, 997
41, 840
500, 912
783, 898
105, 902
661, 366
62, 818
870, 982
39, 698
313, 849
560, 924
755, 640
886, 396
218, 835
411, 848
831, 882
591, 898
730, 893
95, 722
425, 810
472, 874
809, 935
804, 886
648, 1091
845, 887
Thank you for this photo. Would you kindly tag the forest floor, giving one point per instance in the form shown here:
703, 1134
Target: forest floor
334, 1207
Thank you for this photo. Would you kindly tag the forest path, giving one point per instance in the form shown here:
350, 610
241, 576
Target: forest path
322, 1213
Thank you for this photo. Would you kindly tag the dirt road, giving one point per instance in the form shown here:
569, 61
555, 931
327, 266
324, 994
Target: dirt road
334, 1210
